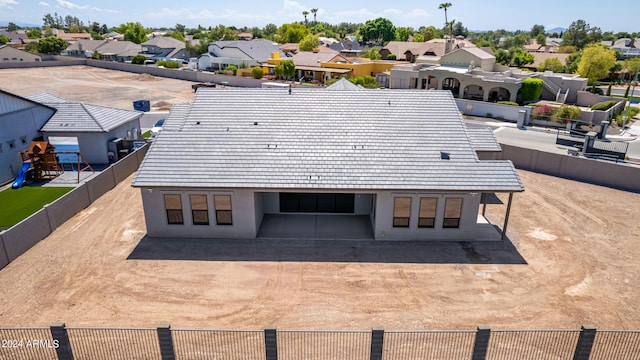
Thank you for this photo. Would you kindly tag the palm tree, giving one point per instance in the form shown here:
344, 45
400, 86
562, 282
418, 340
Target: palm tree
314, 11
305, 13
445, 6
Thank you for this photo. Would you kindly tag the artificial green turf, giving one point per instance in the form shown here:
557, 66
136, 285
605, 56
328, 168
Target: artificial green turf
17, 205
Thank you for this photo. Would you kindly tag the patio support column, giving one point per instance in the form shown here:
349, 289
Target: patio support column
506, 217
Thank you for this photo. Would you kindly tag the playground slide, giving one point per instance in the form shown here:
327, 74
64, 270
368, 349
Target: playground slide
22, 175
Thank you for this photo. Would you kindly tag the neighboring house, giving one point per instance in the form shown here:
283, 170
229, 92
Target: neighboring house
224, 53
245, 36
16, 38
94, 125
309, 64
472, 73
294, 165
164, 47
348, 47
84, 48
119, 51
426, 51
20, 122
73, 36
114, 36
628, 47
9, 54
539, 57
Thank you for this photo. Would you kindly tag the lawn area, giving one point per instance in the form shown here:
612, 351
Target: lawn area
17, 205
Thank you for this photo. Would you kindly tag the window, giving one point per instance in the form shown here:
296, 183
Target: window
427, 216
401, 211
173, 204
452, 211
223, 209
199, 210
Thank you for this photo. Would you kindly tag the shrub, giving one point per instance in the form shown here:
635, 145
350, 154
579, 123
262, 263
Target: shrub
508, 103
531, 89
391, 57
232, 68
366, 81
168, 64
604, 105
542, 112
564, 113
257, 72
138, 59
633, 111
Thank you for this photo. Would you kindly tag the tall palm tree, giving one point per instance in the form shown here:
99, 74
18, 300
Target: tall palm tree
314, 11
445, 6
305, 13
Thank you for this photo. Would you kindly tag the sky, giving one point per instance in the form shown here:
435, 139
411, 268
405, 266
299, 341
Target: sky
618, 16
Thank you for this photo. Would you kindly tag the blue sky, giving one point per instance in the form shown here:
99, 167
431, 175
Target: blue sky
475, 15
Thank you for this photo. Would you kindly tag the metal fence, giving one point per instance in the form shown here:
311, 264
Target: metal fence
218, 344
428, 344
619, 345
164, 343
532, 344
321, 345
114, 344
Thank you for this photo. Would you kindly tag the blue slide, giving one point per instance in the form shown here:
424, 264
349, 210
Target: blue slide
22, 175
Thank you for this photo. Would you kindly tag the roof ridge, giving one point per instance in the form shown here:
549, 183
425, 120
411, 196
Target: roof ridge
92, 116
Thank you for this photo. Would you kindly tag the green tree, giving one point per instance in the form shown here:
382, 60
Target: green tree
552, 64
365, 81
176, 35
309, 42
567, 49
138, 59
378, 31
372, 53
632, 65
257, 72
502, 56
579, 34
520, 57
4, 39
12, 27
596, 62
314, 11
34, 34
445, 6
536, 30
232, 68
291, 33
418, 37
269, 30
286, 68
403, 33
180, 28
32, 47
51, 45
429, 32
531, 89
459, 29
572, 62
541, 39
133, 32
305, 13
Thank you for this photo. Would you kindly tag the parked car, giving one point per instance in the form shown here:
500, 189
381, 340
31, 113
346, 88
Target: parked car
157, 127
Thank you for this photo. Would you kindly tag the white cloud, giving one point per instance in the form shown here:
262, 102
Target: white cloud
392, 12
69, 5
417, 14
7, 4
105, 10
43, 4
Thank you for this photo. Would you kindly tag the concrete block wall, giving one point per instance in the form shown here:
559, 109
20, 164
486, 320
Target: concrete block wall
67, 206
125, 167
102, 183
24, 235
481, 108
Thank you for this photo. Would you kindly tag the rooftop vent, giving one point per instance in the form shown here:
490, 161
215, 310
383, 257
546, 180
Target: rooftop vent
255, 123
444, 155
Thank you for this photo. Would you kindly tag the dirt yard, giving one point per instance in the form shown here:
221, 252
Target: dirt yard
96, 86
577, 244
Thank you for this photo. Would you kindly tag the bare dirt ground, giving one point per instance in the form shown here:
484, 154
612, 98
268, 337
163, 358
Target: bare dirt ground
579, 243
96, 86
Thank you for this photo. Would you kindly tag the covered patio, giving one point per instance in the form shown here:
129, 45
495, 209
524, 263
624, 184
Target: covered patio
316, 226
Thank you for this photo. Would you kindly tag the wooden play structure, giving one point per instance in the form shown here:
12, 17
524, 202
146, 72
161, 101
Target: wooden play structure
45, 164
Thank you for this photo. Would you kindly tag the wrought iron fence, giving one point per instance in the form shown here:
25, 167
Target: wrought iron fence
532, 344
616, 344
113, 344
35, 343
321, 345
428, 344
218, 344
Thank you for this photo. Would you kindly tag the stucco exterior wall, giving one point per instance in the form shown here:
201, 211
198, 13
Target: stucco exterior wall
469, 228
14, 127
243, 215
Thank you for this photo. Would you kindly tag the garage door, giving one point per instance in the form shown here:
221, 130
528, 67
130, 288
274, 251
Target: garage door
317, 203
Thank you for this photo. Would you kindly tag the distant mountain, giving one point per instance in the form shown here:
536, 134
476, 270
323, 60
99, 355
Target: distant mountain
20, 24
556, 30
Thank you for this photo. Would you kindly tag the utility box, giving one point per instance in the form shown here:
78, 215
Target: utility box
142, 105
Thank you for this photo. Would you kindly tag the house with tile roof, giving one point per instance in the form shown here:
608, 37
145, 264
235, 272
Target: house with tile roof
83, 48
628, 47
224, 53
93, 125
9, 54
164, 47
406, 169
20, 122
119, 51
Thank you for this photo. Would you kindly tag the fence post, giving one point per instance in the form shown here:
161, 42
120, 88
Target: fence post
481, 343
377, 343
60, 336
585, 342
165, 340
270, 343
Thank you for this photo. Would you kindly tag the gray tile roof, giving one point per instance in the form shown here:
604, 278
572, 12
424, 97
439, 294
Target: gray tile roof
165, 42
374, 140
257, 49
483, 139
342, 85
176, 118
79, 117
120, 48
